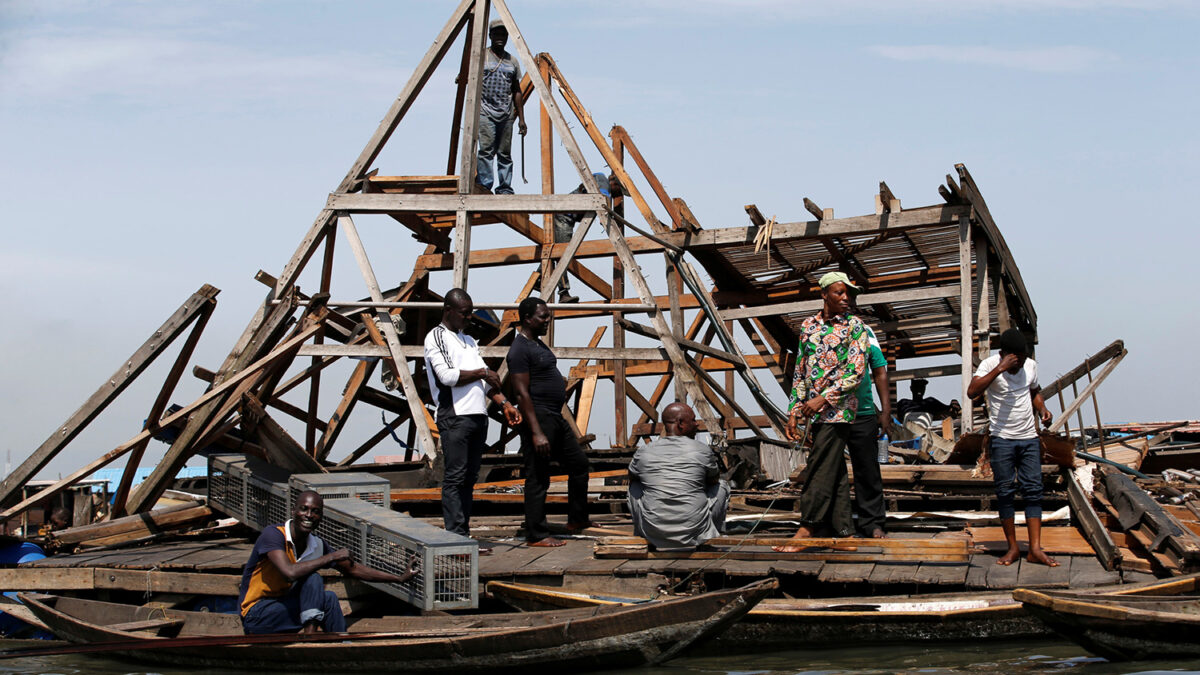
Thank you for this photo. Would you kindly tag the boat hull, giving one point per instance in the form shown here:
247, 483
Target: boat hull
607, 637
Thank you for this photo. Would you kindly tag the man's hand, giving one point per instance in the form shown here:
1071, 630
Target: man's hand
491, 378
791, 429
511, 414
522, 128
812, 406
885, 423
541, 445
1008, 361
1047, 418
414, 568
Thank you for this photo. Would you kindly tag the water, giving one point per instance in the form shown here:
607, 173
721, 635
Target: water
1015, 658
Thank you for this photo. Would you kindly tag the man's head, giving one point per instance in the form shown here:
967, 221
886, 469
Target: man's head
457, 308
498, 34
615, 188
534, 315
679, 420
307, 512
836, 291
917, 387
1012, 341
60, 518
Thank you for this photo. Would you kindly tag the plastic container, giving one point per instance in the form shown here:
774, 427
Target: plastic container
883, 449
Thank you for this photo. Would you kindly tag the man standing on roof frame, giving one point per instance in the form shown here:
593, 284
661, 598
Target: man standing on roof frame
830, 365
499, 104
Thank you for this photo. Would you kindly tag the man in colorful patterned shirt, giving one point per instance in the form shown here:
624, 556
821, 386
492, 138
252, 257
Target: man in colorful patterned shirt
830, 364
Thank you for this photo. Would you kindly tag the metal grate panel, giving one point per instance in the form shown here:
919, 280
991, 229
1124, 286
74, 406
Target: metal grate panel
358, 485
247, 489
386, 540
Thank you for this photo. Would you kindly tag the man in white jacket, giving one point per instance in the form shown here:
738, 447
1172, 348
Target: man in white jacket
461, 384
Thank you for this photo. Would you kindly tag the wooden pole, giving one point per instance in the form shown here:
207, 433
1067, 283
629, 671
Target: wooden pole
966, 316
467, 162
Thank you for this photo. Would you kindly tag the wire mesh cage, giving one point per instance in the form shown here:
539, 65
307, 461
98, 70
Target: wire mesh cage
356, 485
248, 489
386, 540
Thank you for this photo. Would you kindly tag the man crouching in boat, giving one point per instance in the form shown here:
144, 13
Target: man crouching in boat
281, 590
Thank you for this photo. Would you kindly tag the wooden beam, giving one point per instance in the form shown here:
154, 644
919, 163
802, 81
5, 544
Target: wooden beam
1088, 391
467, 162
864, 299
112, 387
160, 404
396, 357
357, 203
282, 352
967, 323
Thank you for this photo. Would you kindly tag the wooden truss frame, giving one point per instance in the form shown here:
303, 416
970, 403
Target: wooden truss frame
688, 357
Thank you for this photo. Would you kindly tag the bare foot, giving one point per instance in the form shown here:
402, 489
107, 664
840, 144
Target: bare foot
573, 528
1010, 557
547, 542
802, 533
1040, 556
878, 533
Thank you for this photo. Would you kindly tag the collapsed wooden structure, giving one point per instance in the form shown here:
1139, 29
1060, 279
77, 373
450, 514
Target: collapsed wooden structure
720, 326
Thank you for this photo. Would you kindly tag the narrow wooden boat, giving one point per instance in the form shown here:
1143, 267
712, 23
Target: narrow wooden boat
1164, 624
581, 639
796, 623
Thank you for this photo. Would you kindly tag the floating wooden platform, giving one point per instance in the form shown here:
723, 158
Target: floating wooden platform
214, 567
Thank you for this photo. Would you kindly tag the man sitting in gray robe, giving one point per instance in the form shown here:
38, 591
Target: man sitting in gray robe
676, 496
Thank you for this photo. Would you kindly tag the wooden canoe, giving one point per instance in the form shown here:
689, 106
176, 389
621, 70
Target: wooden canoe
1159, 625
582, 639
796, 623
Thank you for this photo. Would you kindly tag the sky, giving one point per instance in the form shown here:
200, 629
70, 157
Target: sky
147, 148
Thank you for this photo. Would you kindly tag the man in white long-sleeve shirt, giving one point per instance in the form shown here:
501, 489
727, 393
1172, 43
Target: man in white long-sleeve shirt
461, 384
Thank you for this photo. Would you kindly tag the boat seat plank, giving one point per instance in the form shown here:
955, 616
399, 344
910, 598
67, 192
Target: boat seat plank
846, 572
1033, 575
228, 556
1086, 571
148, 624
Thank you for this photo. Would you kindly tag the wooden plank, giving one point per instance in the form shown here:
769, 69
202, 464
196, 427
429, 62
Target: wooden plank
167, 421
945, 574
112, 387
1083, 512
893, 572
141, 524
1033, 575
360, 203
1004, 576
398, 361
977, 570
260, 337
416, 82
1087, 572
864, 299
25, 578
845, 573
966, 322
1088, 391
509, 559
121, 494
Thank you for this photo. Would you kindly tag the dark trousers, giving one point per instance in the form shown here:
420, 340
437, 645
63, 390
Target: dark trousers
306, 601
826, 497
564, 450
869, 507
1017, 463
464, 438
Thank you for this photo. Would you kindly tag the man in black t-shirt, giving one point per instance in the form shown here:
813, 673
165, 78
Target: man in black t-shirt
541, 393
